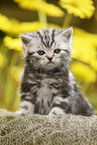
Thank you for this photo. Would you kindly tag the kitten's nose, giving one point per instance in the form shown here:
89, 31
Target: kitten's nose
50, 58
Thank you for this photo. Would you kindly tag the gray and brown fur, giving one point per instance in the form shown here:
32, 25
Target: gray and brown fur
48, 86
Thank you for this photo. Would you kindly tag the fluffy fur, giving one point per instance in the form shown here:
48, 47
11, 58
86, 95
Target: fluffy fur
48, 86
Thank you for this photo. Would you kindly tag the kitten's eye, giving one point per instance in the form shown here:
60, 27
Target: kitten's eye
41, 52
57, 51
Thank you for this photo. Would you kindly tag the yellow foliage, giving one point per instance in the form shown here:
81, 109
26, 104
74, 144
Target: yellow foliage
12, 43
40, 5
3, 60
83, 71
15, 73
94, 63
84, 47
80, 8
15, 27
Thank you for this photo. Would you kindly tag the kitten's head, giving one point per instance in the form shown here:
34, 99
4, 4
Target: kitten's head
48, 48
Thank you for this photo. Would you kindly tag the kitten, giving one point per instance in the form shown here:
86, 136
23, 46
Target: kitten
48, 86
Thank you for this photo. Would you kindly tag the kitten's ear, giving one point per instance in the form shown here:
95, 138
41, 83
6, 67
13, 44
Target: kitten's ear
67, 33
25, 38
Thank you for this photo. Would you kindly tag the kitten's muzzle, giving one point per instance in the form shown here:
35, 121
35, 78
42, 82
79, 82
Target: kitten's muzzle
50, 62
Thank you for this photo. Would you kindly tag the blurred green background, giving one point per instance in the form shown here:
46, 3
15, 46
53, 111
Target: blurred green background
20, 16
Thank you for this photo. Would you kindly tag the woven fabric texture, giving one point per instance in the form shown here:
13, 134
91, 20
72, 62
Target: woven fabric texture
31, 129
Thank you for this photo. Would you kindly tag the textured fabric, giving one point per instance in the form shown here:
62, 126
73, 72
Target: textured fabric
29, 129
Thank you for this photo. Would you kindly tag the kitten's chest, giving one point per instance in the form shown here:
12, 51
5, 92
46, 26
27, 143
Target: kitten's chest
45, 95
45, 90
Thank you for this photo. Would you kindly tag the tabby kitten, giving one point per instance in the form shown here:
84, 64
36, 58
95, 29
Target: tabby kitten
47, 85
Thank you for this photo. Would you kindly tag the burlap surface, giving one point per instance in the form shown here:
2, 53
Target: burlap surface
29, 129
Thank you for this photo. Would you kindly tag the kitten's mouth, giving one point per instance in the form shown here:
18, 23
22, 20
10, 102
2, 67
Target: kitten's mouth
50, 63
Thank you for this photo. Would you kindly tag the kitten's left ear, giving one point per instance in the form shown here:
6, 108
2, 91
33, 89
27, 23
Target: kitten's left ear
25, 38
67, 33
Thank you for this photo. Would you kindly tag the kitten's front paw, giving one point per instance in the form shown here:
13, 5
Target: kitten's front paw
56, 111
21, 112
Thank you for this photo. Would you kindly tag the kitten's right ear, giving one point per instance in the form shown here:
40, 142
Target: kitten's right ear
67, 33
25, 38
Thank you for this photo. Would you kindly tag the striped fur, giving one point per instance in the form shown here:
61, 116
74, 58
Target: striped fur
47, 86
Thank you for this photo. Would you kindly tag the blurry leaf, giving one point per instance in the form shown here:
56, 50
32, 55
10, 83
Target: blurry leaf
40, 5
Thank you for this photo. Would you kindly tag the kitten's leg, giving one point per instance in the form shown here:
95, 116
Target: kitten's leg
79, 104
56, 111
58, 106
26, 105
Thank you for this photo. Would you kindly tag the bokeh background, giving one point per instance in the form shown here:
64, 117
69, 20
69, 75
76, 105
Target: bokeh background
21, 16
